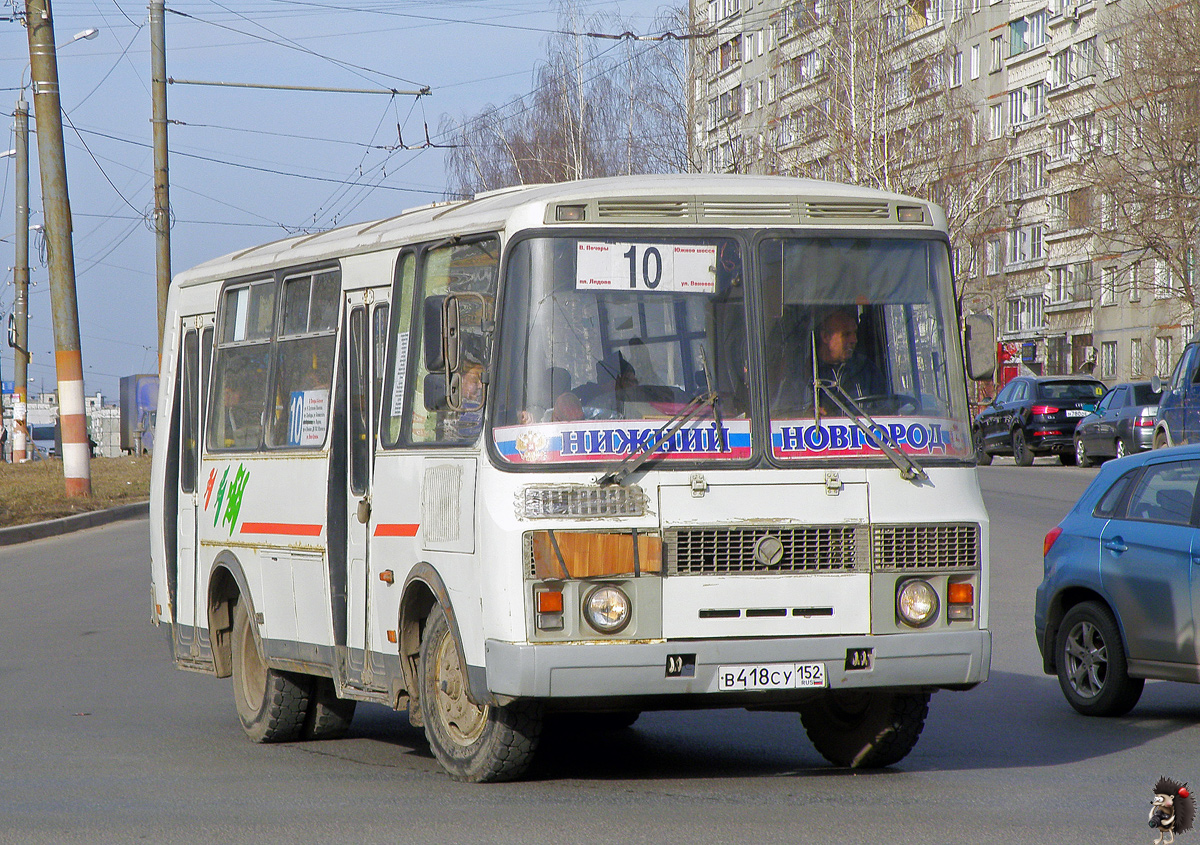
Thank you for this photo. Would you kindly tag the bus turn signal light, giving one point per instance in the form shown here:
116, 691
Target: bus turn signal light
960, 602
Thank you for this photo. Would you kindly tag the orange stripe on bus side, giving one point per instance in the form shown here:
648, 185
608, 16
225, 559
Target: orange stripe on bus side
291, 529
395, 529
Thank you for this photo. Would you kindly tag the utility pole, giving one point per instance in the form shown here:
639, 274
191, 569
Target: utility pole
20, 342
68, 357
162, 204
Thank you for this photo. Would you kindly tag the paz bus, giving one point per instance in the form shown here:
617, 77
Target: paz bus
577, 451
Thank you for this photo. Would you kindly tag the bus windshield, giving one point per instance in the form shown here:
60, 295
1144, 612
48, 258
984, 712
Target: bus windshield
869, 320
607, 339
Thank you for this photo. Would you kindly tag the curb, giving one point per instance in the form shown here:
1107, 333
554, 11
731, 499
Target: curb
67, 524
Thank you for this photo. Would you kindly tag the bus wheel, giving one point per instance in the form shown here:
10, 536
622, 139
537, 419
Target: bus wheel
271, 705
328, 716
865, 730
473, 743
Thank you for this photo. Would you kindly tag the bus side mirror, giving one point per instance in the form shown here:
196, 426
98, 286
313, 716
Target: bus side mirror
436, 392
979, 336
441, 333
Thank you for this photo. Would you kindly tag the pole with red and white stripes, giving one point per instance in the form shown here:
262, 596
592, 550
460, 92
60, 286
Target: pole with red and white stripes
68, 359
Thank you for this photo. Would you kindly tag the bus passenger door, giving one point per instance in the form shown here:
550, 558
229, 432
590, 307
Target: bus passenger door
366, 326
190, 610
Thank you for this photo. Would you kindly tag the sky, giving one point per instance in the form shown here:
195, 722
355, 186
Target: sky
248, 166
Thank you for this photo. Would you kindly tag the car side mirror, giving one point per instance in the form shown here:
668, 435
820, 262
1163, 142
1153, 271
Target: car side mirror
1156, 384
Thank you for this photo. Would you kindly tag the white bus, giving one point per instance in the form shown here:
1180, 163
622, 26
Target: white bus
594, 448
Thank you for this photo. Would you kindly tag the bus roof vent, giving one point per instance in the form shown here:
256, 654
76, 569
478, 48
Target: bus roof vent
834, 210
641, 209
748, 210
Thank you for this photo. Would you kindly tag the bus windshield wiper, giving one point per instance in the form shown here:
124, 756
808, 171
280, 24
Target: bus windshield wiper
708, 398
910, 470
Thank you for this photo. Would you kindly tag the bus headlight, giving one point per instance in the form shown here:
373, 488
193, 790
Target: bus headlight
607, 609
917, 602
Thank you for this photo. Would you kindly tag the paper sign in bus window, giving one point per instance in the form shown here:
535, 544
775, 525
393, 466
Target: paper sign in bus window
667, 268
307, 416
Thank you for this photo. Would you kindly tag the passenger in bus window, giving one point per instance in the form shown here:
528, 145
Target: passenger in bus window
242, 426
470, 418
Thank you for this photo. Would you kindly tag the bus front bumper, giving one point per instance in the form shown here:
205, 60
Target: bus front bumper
953, 659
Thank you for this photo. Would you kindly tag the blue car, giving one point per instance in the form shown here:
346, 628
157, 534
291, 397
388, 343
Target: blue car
1116, 604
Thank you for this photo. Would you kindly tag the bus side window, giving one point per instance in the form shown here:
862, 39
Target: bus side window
458, 268
394, 390
304, 360
238, 400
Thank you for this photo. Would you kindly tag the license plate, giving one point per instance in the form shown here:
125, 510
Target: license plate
1076, 412
756, 676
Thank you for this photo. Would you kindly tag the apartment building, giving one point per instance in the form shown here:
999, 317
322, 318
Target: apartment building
1040, 246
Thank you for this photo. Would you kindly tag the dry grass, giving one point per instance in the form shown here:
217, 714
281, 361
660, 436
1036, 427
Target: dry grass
35, 491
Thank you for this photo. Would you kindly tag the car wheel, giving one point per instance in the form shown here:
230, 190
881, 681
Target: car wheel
1081, 455
1022, 454
1119, 448
1091, 665
1160, 440
982, 457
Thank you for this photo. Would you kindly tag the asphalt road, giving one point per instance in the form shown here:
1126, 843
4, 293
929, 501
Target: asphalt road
104, 741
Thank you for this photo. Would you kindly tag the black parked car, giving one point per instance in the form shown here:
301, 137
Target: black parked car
1035, 415
1123, 423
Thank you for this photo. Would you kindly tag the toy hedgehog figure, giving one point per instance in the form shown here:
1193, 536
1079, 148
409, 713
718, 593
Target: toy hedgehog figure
1172, 811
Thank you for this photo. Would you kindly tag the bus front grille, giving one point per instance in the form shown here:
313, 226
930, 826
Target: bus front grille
730, 551
944, 546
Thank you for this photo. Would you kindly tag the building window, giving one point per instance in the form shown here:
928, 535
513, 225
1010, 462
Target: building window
1108, 359
1108, 286
1162, 357
995, 121
1135, 282
1135, 358
1056, 355
956, 68
995, 257
997, 53
975, 61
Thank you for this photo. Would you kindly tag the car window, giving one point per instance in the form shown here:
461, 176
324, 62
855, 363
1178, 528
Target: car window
1183, 368
1112, 400
1110, 503
1007, 393
1021, 391
1144, 395
1165, 493
1071, 391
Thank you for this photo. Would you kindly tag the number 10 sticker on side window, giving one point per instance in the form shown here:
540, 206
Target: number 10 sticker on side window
674, 268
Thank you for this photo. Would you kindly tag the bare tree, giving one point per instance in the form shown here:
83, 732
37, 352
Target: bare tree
1142, 164
601, 105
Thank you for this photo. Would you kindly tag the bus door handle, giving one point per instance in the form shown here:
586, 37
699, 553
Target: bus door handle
364, 509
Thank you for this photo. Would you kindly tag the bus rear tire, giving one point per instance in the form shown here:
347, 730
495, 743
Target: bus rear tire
271, 705
328, 716
865, 730
473, 743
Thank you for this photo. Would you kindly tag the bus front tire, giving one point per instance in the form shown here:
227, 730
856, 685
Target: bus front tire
473, 743
271, 705
865, 730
